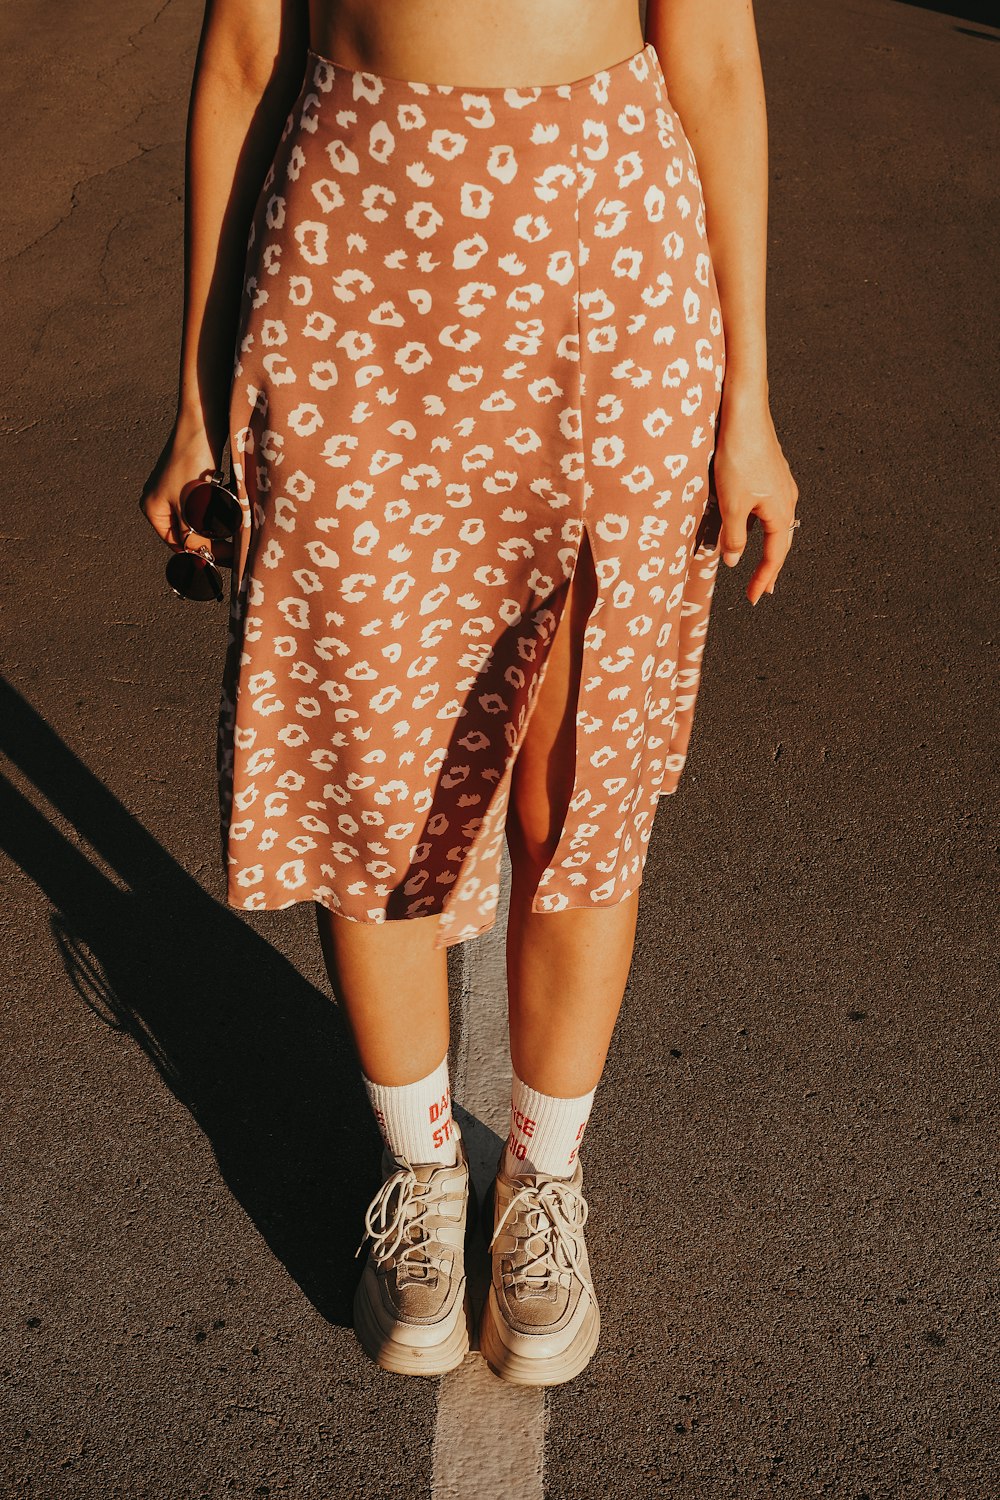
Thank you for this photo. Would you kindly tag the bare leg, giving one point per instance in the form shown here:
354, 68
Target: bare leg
566, 975
566, 971
393, 985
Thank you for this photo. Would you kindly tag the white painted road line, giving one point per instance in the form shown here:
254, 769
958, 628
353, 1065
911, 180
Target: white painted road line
489, 1438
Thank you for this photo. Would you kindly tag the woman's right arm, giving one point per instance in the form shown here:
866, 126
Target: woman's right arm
249, 68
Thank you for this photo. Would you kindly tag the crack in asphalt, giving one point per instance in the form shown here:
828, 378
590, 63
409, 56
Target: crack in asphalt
74, 202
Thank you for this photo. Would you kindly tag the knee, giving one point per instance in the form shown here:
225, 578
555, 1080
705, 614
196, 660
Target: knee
533, 828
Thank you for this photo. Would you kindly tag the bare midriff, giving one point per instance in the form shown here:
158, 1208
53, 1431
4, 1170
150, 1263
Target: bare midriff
503, 43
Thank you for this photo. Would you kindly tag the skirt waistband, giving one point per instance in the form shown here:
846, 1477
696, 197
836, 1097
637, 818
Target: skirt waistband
368, 84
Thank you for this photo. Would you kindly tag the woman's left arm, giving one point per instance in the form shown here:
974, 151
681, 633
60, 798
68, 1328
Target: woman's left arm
710, 61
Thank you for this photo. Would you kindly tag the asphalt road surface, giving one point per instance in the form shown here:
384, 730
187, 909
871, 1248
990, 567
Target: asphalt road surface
792, 1157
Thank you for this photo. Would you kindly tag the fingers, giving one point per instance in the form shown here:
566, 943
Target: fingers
734, 535
777, 544
179, 533
158, 514
733, 539
165, 520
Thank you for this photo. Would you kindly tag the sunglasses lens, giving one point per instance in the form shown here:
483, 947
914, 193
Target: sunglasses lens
194, 577
213, 512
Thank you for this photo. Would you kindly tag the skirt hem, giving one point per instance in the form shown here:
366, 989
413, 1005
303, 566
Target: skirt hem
451, 940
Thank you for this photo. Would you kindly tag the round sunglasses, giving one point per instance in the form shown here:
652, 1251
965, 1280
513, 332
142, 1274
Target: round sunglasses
210, 510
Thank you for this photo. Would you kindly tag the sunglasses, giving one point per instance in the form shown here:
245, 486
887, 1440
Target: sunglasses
210, 510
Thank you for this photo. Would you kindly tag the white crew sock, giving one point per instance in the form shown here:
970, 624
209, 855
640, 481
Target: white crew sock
545, 1133
415, 1118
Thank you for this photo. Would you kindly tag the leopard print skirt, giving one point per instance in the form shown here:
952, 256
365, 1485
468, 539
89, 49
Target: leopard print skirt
480, 326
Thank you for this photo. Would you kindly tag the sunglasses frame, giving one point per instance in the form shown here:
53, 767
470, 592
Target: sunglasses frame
208, 562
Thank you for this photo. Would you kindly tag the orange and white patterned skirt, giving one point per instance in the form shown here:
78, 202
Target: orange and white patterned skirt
478, 324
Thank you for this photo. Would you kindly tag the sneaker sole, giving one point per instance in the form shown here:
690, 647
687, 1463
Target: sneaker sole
553, 1369
403, 1358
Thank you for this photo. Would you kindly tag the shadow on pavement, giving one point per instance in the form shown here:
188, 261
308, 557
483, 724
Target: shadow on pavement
262, 1059
981, 12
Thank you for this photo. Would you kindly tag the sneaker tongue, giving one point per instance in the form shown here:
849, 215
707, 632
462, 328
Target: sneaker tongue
414, 1269
421, 1170
539, 1258
533, 1249
414, 1262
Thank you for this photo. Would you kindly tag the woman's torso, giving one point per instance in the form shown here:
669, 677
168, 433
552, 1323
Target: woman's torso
505, 42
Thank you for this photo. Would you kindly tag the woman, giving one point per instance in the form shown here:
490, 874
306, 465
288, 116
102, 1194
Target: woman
484, 272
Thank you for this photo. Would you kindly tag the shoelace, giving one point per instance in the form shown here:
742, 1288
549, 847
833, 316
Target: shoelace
389, 1224
556, 1212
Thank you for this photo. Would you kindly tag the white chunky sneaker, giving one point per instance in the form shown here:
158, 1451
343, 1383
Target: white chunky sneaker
411, 1308
541, 1322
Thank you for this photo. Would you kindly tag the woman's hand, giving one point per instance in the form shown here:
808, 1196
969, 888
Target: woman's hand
188, 455
752, 477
